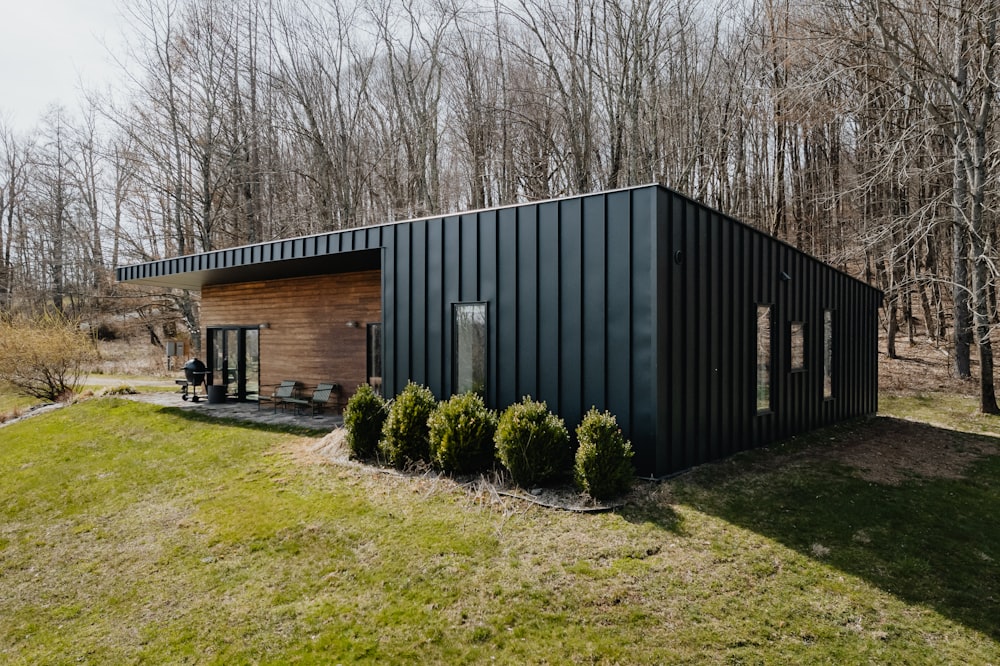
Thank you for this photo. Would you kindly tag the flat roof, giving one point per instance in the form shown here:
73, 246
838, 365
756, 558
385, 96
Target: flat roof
331, 252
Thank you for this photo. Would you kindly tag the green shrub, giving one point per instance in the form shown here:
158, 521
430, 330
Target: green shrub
404, 434
461, 433
532, 443
363, 420
604, 458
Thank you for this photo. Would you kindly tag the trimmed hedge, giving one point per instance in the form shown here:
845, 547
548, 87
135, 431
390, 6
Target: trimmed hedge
604, 458
363, 419
533, 443
461, 433
405, 433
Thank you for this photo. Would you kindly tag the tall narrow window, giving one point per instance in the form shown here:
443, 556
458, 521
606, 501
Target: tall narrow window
763, 358
798, 342
827, 353
469, 347
375, 356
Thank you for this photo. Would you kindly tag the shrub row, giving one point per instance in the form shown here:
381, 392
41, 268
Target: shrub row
461, 435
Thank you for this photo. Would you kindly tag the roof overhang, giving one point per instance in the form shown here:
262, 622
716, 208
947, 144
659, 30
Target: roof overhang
197, 271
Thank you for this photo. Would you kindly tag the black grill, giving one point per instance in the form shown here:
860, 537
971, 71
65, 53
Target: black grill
194, 375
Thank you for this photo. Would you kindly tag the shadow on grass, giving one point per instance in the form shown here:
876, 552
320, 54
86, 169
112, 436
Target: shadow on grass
929, 538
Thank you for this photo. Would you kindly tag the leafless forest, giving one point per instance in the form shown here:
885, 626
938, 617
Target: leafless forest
858, 130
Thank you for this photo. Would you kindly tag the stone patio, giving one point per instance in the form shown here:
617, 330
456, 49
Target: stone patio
243, 411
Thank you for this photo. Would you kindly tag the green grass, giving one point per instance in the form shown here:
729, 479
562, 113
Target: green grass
12, 404
131, 533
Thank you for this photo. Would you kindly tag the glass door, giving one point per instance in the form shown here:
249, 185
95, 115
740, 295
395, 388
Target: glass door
235, 360
250, 375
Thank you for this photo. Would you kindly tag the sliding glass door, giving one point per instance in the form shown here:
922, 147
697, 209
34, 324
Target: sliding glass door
234, 352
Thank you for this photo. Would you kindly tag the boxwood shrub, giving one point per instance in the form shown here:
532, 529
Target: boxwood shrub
461, 433
604, 458
404, 434
533, 443
363, 419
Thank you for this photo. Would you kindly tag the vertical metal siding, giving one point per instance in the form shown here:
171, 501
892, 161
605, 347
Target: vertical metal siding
433, 306
548, 329
504, 315
488, 279
709, 339
594, 295
418, 286
526, 308
571, 275
618, 322
642, 317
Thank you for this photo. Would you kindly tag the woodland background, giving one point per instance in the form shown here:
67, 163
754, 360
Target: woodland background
860, 131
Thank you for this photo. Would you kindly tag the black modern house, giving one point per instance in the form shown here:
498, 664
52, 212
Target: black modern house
702, 335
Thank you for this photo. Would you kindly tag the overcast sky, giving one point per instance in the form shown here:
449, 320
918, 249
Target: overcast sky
47, 47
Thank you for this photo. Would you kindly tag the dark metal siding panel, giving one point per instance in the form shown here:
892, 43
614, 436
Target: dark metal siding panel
506, 308
678, 333
725, 371
693, 431
643, 385
451, 290
488, 280
662, 274
401, 313
548, 328
744, 311
469, 258
418, 301
527, 301
711, 301
435, 304
571, 325
595, 301
618, 363
391, 382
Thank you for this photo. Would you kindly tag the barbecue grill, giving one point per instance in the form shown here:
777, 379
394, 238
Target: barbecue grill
194, 376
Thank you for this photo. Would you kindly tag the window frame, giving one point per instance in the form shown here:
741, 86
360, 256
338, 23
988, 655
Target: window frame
797, 341
829, 385
456, 349
761, 407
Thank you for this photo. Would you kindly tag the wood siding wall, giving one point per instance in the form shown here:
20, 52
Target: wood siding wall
308, 338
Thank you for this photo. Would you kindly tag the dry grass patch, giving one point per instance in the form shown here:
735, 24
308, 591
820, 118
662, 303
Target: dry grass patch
891, 451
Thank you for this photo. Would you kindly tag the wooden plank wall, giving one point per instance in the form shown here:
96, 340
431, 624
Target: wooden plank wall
308, 338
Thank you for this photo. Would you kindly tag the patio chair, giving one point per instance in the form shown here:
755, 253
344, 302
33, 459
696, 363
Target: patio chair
284, 392
322, 396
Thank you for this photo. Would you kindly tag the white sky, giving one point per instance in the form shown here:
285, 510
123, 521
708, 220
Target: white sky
48, 48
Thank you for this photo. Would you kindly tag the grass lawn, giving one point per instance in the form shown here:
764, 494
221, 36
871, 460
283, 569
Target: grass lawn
12, 404
131, 533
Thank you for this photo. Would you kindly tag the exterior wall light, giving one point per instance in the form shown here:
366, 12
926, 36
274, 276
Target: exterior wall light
352, 324
264, 325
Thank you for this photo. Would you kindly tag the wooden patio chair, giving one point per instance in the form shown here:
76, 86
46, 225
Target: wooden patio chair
284, 392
